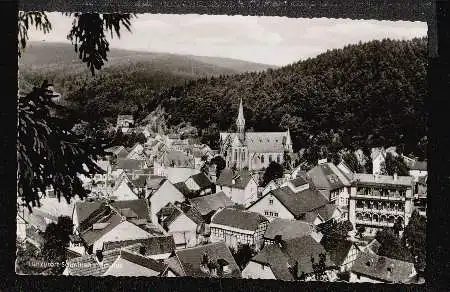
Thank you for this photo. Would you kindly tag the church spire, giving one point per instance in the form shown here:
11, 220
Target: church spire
240, 121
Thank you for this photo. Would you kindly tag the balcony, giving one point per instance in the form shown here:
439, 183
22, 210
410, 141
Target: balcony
374, 223
380, 211
361, 195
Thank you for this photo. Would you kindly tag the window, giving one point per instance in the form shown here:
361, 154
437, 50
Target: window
235, 155
270, 158
262, 158
262, 267
276, 214
266, 213
278, 159
270, 202
348, 190
243, 155
270, 213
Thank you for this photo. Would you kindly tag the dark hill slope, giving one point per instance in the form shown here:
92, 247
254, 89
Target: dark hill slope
362, 95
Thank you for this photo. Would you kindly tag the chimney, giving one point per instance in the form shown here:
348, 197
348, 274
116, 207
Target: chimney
99, 255
395, 176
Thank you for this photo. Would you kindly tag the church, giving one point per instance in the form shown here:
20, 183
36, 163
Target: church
254, 150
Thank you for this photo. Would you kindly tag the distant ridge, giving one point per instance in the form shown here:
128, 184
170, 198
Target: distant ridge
44, 54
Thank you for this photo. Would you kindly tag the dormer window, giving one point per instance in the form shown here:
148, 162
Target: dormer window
271, 202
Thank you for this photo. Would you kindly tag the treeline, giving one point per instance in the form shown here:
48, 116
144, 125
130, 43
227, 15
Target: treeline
363, 95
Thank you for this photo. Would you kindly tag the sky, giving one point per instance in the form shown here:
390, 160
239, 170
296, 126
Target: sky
269, 40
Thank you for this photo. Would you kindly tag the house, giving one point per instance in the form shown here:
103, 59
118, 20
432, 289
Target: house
124, 122
239, 186
91, 264
167, 193
209, 204
154, 182
253, 150
287, 204
123, 191
343, 253
136, 152
378, 201
236, 227
200, 184
131, 165
213, 260
373, 247
286, 260
379, 269
289, 229
331, 181
183, 222
418, 169
272, 185
155, 247
172, 159
118, 151
420, 195
106, 224
378, 156
134, 264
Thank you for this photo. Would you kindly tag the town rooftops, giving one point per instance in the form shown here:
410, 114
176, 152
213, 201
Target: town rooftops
176, 158
280, 256
201, 180
419, 165
154, 182
339, 250
241, 219
288, 229
383, 268
85, 209
190, 259
327, 176
139, 207
181, 186
298, 203
155, 245
260, 142
129, 164
237, 180
88, 265
171, 212
134, 264
299, 181
209, 203
388, 180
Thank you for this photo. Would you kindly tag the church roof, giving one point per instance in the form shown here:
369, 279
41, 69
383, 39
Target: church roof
260, 142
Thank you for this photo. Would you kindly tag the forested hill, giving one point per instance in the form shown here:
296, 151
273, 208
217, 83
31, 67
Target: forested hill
359, 96
128, 79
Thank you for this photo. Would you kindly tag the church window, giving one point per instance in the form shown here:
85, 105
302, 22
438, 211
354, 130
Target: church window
235, 155
270, 158
243, 155
278, 159
262, 158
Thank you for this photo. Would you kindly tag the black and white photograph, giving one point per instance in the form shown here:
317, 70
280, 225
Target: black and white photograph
222, 146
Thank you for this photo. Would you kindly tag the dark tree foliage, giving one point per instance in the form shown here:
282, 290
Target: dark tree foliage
414, 238
242, 255
367, 94
360, 231
57, 239
48, 153
336, 233
26, 19
391, 246
273, 171
394, 165
220, 164
319, 267
352, 161
127, 140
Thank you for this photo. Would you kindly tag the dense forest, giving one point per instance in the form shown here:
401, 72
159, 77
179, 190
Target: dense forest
360, 96
363, 95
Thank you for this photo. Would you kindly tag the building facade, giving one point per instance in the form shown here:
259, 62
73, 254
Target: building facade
254, 150
378, 201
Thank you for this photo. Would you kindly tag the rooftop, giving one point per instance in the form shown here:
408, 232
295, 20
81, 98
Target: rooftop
382, 268
190, 259
288, 229
209, 203
370, 179
240, 178
241, 219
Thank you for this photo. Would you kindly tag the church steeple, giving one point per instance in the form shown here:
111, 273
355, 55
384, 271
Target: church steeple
240, 121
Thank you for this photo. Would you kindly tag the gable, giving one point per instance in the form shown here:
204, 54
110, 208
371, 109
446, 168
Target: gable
124, 192
182, 223
124, 231
263, 204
